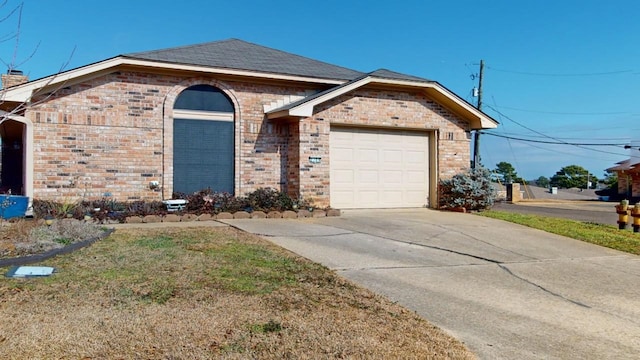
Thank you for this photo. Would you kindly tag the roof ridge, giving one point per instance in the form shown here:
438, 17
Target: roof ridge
391, 74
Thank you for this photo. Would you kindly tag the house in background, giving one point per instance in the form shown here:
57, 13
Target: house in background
628, 172
234, 116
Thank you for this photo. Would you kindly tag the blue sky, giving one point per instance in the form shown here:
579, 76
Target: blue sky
557, 71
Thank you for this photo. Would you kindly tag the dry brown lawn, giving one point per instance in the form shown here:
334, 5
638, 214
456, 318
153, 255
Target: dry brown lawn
204, 293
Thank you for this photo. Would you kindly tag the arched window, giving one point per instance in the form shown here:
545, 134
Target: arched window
204, 98
203, 141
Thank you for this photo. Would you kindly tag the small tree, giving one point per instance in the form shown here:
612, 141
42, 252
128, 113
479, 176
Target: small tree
573, 176
611, 180
507, 172
542, 182
471, 190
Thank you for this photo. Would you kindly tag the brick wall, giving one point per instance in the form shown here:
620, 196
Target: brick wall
378, 108
627, 179
114, 134
9, 80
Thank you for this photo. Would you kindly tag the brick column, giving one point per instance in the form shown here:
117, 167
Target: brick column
314, 160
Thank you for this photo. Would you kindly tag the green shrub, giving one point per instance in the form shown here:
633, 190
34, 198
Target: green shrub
471, 190
201, 202
262, 199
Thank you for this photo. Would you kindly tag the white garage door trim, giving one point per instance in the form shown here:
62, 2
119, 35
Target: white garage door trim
378, 168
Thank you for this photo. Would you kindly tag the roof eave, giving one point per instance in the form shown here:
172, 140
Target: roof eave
477, 119
23, 93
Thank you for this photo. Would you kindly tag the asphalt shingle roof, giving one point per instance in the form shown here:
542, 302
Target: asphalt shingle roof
388, 74
380, 73
241, 55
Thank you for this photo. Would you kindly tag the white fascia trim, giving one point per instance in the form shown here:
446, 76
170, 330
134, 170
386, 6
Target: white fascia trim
23, 93
223, 71
306, 109
485, 122
202, 115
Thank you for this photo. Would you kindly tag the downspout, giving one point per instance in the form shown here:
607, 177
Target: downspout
164, 103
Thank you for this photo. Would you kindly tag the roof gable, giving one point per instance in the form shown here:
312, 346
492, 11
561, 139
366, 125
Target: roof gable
305, 107
393, 75
242, 55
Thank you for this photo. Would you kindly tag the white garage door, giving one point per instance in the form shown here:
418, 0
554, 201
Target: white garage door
373, 168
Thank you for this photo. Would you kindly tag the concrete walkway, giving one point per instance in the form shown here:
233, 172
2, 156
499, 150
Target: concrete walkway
507, 291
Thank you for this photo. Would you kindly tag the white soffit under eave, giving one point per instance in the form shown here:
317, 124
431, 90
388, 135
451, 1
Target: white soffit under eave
23, 93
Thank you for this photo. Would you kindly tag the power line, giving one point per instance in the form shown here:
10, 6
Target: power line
564, 113
561, 74
553, 142
625, 139
527, 143
550, 137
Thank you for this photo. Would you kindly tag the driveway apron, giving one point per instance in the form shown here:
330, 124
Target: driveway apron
506, 291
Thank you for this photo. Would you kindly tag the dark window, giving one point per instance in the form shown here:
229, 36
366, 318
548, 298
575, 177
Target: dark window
203, 155
203, 98
203, 147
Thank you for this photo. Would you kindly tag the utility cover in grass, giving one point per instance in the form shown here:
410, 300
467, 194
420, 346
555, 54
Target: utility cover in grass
29, 271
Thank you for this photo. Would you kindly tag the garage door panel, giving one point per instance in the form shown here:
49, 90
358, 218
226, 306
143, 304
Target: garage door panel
390, 168
344, 154
369, 155
347, 196
392, 156
367, 177
416, 177
415, 157
392, 178
343, 177
367, 198
392, 197
413, 138
389, 139
342, 135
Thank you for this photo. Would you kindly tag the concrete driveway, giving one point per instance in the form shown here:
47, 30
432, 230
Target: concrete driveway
506, 291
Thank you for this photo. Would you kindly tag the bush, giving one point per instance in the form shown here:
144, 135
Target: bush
266, 199
201, 202
209, 202
99, 210
263, 199
471, 190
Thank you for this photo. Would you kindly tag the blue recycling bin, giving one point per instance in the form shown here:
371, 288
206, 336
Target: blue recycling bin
13, 206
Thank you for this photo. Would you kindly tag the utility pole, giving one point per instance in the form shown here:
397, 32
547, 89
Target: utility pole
476, 139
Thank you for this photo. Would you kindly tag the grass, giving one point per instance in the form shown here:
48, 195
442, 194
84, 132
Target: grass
204, 293
28, 237
599, 234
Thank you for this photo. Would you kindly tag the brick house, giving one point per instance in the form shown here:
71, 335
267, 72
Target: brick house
233, 116
628, 172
